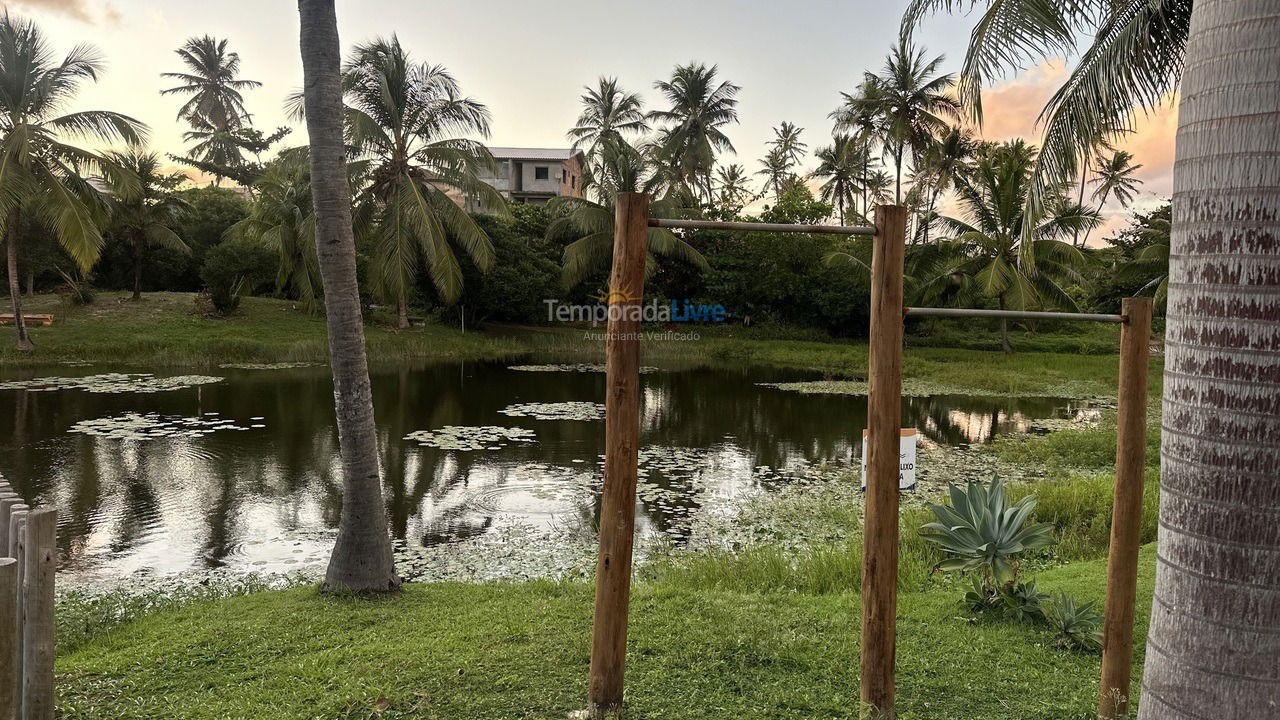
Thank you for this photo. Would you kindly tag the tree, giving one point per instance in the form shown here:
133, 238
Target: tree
405, 117
282, 218
839, 164
1133, 60
859, 116
41, 175
1212, 641
588, 225
993, 264
944, 162
786, 141
147, 218
1114, 177
732, 191
776, 170
214, 108
362, 560
607, 111
694, 125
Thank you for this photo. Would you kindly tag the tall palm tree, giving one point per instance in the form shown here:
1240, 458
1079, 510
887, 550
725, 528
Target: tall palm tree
913, 103
282, 217
607, 110
407, 117
694, 125
943, 163
993, 264
1133, 60
361, 559
146, 218
214, 108
1212, 640
786, 141
41, 174
1152, 261
588, 225
776, 169
859, 116
732, 189
838, 164
1114, 176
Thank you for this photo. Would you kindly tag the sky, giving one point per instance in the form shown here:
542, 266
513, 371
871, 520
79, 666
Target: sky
529, 61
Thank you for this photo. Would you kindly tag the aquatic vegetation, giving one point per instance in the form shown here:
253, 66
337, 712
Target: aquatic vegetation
268, 366
556, 410
111, 383
574, 367
151, 426
917, 387
471, 437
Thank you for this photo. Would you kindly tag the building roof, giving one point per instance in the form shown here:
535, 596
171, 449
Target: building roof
516, 153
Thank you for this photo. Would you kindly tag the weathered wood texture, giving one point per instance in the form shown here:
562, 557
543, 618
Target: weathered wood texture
884, 418
37, 606
9, 645
1126, 518
1214, 637
622, 440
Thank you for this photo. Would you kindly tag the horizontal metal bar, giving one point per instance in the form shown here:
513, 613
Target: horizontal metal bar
1013, 314
761, 227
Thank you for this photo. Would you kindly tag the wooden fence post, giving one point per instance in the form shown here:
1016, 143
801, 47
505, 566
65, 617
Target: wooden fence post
884, 418
16, 543
37, 606
1126, 517
9, 680
622, 440
7, 503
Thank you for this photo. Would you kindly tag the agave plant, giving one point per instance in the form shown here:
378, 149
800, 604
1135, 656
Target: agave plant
982, 531
1075, 625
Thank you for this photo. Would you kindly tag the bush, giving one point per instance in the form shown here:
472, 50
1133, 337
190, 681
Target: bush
235, 267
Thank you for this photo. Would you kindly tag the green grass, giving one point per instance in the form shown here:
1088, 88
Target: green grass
521, 651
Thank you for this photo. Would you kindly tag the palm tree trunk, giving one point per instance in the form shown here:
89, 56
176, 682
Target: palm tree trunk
137, 269
361, 559
1215, 621
31, 283
24, 343
897, 165
402, 313
1084, 170
1004, 332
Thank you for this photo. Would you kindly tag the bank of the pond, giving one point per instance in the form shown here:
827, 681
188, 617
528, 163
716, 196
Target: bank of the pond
521, 650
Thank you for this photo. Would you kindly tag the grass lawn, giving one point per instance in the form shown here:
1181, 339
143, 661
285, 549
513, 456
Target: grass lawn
521, 651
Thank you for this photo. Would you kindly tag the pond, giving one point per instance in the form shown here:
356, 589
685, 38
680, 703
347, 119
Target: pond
238, 467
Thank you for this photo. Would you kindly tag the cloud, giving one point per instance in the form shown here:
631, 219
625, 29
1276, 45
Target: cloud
76, 9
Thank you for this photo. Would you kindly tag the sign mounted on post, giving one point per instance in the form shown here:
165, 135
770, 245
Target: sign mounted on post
906, 459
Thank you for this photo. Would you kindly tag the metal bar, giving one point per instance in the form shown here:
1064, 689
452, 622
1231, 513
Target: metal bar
762, 227
1013, 314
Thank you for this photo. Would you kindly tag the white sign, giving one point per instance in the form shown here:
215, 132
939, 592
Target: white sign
906, 460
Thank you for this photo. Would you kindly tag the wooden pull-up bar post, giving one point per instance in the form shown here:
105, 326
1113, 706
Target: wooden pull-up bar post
622, 444
884, 418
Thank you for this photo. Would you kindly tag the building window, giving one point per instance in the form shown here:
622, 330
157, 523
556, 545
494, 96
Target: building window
504, 171
541, 173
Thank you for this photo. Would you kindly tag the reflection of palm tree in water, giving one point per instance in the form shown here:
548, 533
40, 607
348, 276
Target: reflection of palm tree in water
220, 517
140, 509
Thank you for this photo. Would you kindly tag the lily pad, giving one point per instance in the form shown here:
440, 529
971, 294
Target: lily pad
471, 437
556, 411
111, 383
152, 426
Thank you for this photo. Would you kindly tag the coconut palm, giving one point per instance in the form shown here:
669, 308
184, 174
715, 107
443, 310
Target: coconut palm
1114, 177
694, 125
607, 110
588, 225
407, 117
877, 189
361, 560
282, 217
1152, 261
839, 165
776, 169
146, 218
732, 189
944, 162
993, 265
786, 141
42, 176
1133, 60
215, 107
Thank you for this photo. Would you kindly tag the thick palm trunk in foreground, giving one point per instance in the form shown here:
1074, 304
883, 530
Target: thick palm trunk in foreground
1214, 641
15, 292
361, 558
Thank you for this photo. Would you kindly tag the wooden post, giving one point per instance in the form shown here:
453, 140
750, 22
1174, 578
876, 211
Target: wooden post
7, 503
884, 418
622, 441
16, 542
9, 681
1126, 517
37, 607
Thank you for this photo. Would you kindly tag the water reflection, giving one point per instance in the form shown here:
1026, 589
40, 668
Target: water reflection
269, 498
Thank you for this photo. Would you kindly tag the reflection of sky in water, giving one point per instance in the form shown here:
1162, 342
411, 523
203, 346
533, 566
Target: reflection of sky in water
268, 498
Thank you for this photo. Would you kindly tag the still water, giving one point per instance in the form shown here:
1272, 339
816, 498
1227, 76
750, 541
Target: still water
242, 471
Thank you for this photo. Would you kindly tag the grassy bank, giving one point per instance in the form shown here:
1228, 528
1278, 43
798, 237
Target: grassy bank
521, 650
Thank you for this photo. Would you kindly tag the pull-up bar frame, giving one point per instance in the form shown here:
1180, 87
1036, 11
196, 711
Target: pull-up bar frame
884, 407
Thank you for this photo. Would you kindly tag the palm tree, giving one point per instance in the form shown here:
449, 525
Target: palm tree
41, 175
588, 225
694, 132
839, 165
776, 170
1114, 178
859, 117
786, 141
1134, 60
361, 559
607, 110
912, 102
406, 117
282, 217
146, 218
943, 163
876, 190
993, 265
215, 108
1152, 261
732, 190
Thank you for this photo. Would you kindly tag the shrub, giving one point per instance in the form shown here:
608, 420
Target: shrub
1075, 625
982, 532
235, 267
